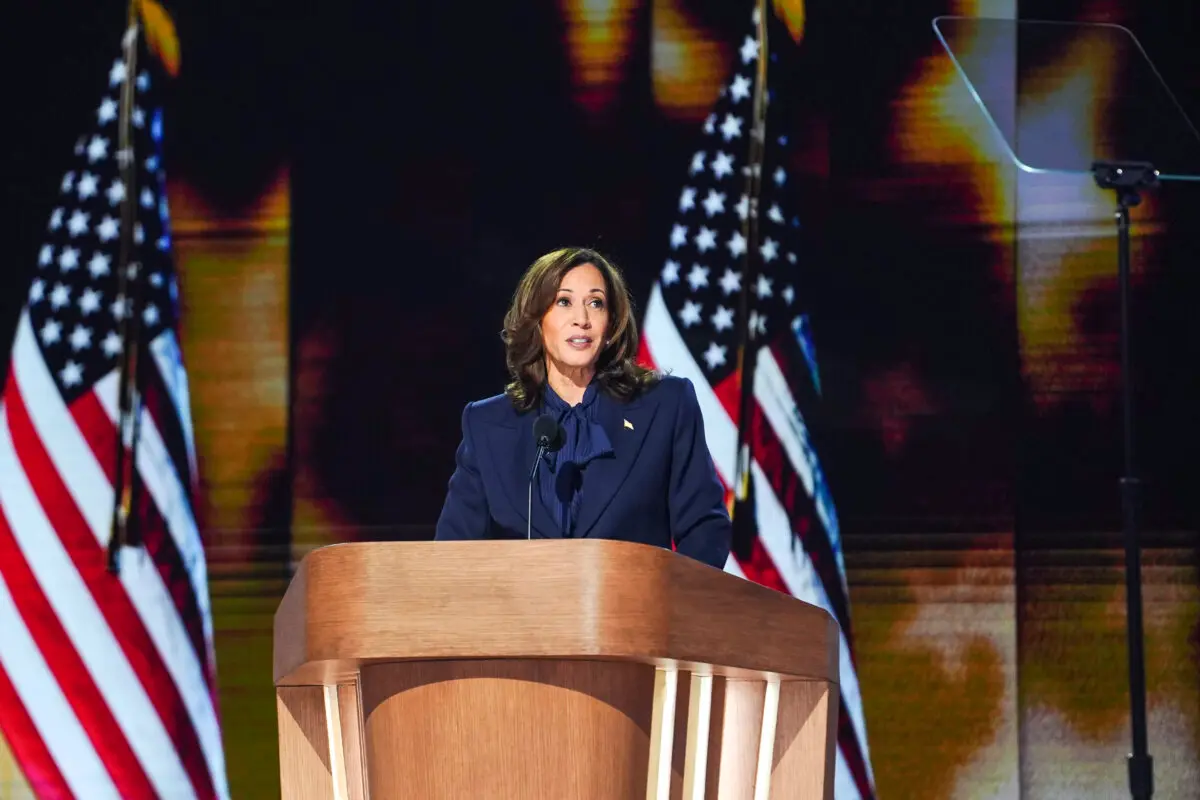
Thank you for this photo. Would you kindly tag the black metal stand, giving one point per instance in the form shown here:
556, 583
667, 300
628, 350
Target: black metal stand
1128, 179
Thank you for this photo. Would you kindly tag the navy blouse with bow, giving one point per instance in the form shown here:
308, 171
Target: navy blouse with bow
636, 470
561, 478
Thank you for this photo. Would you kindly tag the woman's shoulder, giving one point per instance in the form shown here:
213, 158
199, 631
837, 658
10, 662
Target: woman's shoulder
493, 404
669, 389
498, 406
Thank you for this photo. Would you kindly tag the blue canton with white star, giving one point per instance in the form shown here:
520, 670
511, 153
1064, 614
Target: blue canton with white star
74, 305
701, 280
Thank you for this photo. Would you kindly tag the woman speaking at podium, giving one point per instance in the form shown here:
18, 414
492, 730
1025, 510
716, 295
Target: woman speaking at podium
584, 442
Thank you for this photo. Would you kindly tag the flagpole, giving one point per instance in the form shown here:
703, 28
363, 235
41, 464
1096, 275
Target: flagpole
743, 510
123, 530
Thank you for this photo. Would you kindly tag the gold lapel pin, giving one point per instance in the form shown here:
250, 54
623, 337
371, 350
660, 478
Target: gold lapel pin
629, 424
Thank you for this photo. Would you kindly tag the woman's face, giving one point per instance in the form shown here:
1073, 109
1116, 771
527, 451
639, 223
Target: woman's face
574, 329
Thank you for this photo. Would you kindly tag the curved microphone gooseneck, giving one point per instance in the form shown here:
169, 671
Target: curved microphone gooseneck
549, 436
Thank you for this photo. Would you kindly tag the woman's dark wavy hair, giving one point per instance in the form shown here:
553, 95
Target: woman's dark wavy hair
617, 370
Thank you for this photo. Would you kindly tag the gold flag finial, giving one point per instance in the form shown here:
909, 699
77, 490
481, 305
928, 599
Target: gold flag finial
161, 37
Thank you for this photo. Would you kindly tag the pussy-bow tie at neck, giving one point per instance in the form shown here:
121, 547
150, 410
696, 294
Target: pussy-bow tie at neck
561, 484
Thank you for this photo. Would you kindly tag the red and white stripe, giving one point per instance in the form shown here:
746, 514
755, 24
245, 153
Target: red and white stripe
664, 348
112, 674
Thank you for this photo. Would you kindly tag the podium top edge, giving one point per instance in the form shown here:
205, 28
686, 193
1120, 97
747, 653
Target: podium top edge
365, 602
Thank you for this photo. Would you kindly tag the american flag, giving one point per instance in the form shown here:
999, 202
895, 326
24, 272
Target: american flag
107, 679
710, 322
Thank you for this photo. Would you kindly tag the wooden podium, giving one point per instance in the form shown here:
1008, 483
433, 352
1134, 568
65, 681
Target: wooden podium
548, 669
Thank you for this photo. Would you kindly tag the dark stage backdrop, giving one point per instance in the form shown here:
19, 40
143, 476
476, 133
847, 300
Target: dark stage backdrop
356, 190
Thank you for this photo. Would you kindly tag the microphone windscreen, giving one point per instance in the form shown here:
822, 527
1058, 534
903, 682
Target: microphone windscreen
557, 440
545, 432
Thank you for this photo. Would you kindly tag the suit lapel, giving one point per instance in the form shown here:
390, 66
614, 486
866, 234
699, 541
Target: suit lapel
626, 425
512, 451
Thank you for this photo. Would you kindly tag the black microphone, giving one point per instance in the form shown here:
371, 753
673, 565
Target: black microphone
549, 437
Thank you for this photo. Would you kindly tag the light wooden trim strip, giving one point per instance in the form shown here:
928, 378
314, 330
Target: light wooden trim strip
662, 733
699, 719
766, 741
333, 730
362, 739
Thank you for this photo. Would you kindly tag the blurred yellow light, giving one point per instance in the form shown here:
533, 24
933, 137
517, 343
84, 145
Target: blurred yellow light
234, 276
791, 12
599, 37
687, 64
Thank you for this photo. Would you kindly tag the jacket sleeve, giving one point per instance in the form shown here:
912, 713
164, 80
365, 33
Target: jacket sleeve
700, 522
465, 512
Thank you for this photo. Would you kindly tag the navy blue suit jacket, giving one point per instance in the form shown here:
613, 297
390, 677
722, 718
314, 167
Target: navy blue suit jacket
658, 487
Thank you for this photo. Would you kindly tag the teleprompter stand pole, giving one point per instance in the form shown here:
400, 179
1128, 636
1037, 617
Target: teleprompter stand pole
1128, 179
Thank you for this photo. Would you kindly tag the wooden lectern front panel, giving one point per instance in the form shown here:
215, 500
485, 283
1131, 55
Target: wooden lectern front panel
805, 741
507, 729
539, 728
304, 769
446, 672
719, 750
320, 742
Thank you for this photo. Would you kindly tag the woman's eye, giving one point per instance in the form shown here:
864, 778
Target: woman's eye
564, 301
597, 303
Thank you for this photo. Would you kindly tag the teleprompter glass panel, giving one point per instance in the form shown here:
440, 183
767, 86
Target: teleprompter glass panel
1065, 95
